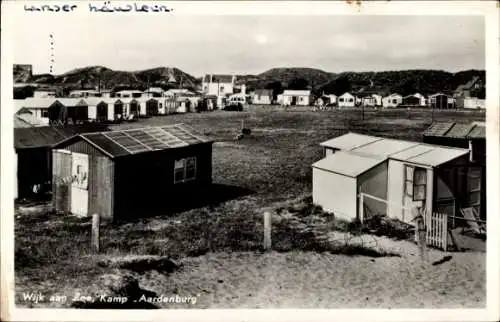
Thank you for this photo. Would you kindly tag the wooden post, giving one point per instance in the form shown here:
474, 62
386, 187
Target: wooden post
95, 232
445, 231
267, 230
422, 231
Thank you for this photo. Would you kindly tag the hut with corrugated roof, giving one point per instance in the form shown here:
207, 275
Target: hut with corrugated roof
471, 136
368, 175
120, 174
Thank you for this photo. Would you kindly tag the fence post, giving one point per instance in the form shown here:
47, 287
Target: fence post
267, 230
95, 232
445, 231
422, 234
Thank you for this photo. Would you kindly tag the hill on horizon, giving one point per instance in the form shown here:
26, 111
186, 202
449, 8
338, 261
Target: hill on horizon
404, 82
93, 76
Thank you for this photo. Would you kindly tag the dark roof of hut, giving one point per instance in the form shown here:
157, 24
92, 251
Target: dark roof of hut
474, 130
141, 140
47, 136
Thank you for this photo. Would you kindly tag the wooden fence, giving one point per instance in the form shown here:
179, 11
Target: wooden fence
435, 224
437, 230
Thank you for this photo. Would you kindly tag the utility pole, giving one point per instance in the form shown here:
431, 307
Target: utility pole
99, 81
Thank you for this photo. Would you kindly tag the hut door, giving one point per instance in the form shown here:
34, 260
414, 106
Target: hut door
415, 191
79, 185
474, 188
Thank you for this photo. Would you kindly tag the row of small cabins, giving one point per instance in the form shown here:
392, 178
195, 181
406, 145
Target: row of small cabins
463, 97
305, 98
115, 173
50, 110
219, 85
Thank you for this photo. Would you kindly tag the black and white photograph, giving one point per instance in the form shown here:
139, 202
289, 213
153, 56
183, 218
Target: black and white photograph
176, 156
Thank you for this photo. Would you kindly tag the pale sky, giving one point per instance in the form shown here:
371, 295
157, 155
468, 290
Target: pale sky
250, 44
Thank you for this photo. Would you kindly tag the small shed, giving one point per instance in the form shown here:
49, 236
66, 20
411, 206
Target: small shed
33, 150
393, 100
121, 174
77, 109
262, 97
411, 100
340, 177
441, 101
369, 101
148, 106
296, 97
92, 103
346, 100
470, 136
395, 177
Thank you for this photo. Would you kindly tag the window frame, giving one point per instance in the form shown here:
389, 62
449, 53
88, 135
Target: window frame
413, 182
184, 170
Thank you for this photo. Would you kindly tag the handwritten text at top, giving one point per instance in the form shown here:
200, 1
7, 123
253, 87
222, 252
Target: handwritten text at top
107, 7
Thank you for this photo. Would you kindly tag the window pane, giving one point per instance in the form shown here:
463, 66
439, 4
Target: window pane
190, 173
420, 176
179, 175
409, 188
179, 164
191, 162
419, 192
409, 173
475, 198
474, 184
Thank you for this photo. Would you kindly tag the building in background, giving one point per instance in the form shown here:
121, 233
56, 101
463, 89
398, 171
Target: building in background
346, 100
262, 97
391, 101
296, 97
441, 101
218, 85
129, 94
44, 93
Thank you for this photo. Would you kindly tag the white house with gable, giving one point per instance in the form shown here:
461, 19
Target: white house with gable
346, 100
392, 100
295, 97
218, 85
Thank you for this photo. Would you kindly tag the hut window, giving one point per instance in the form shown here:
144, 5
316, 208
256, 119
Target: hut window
415, 183
185, 170
45, 114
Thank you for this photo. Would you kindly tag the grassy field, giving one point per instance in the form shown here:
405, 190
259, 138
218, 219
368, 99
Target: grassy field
218, 248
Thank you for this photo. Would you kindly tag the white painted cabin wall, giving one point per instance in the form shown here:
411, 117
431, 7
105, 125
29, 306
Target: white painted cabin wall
335, 193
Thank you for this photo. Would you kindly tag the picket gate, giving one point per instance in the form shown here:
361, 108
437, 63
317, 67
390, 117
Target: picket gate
436, 230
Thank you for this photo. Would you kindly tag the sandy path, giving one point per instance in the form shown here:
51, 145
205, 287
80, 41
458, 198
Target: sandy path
322, 280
